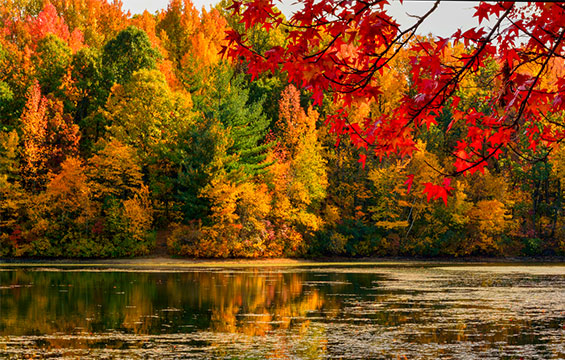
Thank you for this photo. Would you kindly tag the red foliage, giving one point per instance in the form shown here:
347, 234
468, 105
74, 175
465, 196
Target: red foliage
47, 22
341, 47
438, 191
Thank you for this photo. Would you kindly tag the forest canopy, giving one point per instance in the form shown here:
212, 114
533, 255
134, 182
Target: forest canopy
235, 132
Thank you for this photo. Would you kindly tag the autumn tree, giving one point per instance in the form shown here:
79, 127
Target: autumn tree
198, 64
178, 23
17, 76
51, 60
97, 20
124, 219
147, 115
299, 144
34, 128
63, 213
13, 198
298, 174
48, 136
127, 53
115, 171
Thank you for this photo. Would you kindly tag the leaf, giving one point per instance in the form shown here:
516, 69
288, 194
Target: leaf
362, 160
409, 182
435, 192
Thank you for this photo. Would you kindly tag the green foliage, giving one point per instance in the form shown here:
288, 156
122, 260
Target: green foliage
228, 101
203, 157
93, 89
128, 52
6, 96
51, 60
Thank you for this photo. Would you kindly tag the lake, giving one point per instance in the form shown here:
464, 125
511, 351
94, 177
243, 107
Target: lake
409, 311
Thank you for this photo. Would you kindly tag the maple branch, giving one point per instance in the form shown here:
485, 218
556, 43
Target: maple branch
531, 160
537, 77
324, 50
460, 73
524, 63
364, 81
334, 39
411, 30
435, 169
476, 163
528, 33
446, 91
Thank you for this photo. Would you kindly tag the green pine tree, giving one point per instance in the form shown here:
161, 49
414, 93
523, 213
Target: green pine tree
247, 125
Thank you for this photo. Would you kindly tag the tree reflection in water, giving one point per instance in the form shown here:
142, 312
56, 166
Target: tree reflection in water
270, 313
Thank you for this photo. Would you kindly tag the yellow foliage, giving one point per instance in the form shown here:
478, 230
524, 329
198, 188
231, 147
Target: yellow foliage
146, 114
489, 219
223, 196
393, 83
332, 214
70, 192
253, 206
12, 196
558, 163
488, 186
195, 241
115, 171
299, 174
139, 215
308, 220
389, 194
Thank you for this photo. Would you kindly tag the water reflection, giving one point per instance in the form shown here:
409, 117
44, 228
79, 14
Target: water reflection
350, 313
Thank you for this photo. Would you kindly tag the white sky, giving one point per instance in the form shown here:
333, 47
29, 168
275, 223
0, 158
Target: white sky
445, 21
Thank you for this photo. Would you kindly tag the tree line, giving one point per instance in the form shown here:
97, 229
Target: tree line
114, 128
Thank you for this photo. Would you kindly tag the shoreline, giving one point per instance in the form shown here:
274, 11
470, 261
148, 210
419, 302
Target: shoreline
168, 262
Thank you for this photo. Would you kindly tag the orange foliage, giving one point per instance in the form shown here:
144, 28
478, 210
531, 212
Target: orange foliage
98, 20
34, 132
49, 22
48, 136
115, 171
206, 41
70, 191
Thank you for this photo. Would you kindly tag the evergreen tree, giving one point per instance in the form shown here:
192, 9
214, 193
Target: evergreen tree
229, 103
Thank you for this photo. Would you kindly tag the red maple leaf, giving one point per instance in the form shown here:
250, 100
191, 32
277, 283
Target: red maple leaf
409, 182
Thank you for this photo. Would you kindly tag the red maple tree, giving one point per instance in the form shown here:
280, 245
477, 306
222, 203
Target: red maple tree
339, 48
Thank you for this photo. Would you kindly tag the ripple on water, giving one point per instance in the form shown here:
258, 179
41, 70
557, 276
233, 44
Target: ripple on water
346, 313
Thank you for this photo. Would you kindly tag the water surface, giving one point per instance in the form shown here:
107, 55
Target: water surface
360, 312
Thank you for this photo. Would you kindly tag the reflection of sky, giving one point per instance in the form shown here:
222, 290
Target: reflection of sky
448, 17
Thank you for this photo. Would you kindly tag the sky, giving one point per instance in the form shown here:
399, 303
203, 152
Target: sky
445, 21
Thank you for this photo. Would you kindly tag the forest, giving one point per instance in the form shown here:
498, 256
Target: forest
116, 130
